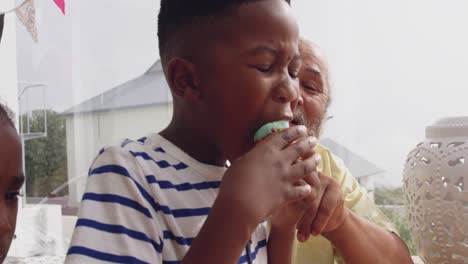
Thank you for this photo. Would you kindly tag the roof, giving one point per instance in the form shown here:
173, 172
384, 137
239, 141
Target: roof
357, 165
148, 89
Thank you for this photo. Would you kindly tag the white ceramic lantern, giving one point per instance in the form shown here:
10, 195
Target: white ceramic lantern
436, 190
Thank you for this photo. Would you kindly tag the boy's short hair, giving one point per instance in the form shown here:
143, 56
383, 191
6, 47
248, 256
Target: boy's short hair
6, 115
175, 15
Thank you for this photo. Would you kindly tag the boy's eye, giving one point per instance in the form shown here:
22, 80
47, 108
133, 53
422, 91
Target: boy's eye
263, 68
12, 196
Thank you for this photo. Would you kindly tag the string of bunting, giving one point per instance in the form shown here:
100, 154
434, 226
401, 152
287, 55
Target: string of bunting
2, 19
26, 14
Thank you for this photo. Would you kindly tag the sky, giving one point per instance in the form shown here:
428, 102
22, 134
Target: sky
396, 66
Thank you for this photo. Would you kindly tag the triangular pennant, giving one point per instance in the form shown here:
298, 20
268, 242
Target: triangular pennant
61, 5
26, 14
2, 20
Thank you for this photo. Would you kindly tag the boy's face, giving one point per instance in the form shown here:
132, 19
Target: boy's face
11, 180
249, 77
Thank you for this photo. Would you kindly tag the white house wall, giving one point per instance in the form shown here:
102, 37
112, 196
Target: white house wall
367, 182
87, 133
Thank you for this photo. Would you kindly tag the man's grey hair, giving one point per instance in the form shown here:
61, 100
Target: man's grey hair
314, 50
309, 48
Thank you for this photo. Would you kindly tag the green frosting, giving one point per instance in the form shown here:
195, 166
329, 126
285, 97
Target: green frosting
269, 128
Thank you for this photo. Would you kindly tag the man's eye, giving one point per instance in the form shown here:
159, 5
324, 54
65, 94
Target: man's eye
263, 68
12, 196
311, 88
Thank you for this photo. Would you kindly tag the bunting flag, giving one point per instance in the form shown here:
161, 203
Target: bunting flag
2, 19
61, 5
26, 14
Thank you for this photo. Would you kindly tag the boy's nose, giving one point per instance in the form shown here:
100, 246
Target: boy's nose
287, 92
5, 225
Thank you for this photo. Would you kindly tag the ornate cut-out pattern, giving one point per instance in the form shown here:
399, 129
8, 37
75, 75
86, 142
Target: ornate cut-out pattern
435, 177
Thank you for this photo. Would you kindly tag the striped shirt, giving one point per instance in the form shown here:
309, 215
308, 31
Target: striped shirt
145, 202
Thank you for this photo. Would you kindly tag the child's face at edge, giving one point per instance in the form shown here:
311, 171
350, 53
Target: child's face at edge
11, 180
250, 76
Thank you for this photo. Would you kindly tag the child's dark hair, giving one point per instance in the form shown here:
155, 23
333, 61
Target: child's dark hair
175, 15
6, 115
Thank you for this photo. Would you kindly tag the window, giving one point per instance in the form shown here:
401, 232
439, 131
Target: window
94, 77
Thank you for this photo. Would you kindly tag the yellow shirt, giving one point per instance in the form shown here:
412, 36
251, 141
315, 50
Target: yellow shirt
318, 250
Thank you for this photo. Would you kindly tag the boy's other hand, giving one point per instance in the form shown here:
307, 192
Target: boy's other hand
326, 210
288, 216
270, 175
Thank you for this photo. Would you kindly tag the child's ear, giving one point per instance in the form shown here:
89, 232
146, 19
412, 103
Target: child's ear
182, 78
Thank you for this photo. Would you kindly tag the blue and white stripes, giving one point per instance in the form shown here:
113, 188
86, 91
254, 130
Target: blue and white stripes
145, 202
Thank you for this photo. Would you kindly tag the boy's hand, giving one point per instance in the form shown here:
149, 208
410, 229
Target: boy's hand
266, 178
289, 215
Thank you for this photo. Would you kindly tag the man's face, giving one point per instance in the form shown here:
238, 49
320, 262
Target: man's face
11, 180
251, 74
313, 80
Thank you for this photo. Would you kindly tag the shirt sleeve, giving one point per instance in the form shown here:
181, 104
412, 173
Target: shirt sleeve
117, 221
356, 199
319, 249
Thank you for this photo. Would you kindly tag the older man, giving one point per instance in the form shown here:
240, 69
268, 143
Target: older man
346, 226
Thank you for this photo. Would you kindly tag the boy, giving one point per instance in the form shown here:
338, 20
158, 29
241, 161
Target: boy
232, 66
11, 179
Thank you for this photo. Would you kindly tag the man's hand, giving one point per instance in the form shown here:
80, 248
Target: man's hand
326, 210
328, 216
266, 178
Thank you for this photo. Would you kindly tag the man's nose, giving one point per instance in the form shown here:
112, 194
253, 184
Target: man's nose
300, 99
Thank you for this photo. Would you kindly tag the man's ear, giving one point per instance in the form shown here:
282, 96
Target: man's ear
182, 79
